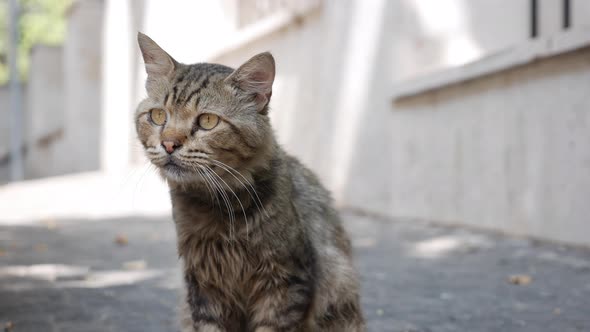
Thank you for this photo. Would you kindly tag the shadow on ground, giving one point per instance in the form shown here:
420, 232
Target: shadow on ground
122, 275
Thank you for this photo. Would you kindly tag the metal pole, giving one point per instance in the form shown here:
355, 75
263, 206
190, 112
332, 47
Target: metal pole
534, 19
567, 14
16, 116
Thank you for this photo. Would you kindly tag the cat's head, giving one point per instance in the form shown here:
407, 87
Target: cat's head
204, 118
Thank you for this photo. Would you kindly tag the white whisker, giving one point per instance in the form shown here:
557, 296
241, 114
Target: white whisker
257, 201
235, 195
224, 196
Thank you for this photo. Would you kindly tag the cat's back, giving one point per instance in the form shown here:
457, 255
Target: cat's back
337, 288
310, 197
314, 206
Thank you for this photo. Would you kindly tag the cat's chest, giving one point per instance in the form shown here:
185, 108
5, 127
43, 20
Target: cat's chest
220, 255
223, 263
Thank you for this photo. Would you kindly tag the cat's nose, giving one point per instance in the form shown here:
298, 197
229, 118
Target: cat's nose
171, 145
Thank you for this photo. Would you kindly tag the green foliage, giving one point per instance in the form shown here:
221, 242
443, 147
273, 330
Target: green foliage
3, 41
41, 22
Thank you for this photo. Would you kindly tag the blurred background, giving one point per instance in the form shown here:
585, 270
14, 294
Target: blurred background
464, 112
469, 113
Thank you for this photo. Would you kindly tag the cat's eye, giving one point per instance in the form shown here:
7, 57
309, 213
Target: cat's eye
208, 121
158, 116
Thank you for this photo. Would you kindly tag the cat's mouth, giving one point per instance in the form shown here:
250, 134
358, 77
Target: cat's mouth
176, 170
173, 168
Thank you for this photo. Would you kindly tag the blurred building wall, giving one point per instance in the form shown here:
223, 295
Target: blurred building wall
45, 125
4, 135
330, 105
509, 151
336, 67
61, 101
488, 154
82, 84
5, 129
5, 156
433, 35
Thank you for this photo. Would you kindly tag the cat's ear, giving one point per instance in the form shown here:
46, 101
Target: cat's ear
255, 77
158, 63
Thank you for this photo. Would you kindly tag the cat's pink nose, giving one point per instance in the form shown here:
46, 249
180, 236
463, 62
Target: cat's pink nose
171, 145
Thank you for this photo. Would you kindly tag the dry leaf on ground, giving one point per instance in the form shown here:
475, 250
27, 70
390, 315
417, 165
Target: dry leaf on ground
121, 240
135, 265
41, 247
520, 279
49, 223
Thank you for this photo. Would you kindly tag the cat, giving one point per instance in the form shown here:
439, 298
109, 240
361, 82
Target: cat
261, 246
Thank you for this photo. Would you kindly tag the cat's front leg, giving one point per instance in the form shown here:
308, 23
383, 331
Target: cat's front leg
208, 310
344, 315
203, 314
283, 306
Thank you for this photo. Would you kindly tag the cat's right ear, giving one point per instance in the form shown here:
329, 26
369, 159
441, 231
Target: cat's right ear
158, 63
256, 77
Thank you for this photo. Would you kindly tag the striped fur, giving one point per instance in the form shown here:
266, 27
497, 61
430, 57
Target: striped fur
262, 248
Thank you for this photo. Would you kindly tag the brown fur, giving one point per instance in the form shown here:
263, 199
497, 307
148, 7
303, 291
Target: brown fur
262, 248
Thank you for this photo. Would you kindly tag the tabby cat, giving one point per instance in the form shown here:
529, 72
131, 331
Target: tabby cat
262, 248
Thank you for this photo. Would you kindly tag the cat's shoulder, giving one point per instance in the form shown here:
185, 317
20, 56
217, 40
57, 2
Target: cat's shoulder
305, 182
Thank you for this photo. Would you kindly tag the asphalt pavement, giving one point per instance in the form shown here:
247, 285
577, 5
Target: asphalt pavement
122, 274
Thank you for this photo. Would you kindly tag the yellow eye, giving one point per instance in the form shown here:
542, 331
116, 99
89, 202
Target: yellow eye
208, 121
158, 116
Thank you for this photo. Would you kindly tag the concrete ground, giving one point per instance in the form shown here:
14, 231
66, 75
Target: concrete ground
121, 274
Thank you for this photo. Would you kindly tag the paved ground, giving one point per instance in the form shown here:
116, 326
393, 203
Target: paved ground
71, 275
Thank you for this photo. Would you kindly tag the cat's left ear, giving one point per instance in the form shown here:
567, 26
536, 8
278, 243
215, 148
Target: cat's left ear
158, 63
256, 77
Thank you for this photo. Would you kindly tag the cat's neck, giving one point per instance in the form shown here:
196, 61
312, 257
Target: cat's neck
232, 195
201, 215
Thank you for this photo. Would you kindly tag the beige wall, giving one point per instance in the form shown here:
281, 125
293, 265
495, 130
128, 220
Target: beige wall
4, 125
429, 35
5, 129
82, 84
45, 117
330, 106
5, 132
509, 152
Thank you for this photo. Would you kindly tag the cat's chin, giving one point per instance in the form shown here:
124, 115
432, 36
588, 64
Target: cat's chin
175, 173
172, 171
